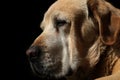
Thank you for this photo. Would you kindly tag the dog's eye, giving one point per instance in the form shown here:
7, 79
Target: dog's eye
60, 23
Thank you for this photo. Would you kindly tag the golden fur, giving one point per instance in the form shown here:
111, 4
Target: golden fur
89, 35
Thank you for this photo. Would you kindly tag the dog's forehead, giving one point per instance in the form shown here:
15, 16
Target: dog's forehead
68, 7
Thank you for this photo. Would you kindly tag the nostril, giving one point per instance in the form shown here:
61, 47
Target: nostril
33, 52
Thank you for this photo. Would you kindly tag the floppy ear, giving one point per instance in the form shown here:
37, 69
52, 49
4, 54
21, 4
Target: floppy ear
108, 19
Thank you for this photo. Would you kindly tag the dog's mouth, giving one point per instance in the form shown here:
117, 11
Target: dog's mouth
49, 74
46, 70
42, 73
48, 65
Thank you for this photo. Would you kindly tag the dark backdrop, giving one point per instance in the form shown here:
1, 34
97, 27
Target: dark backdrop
30, 14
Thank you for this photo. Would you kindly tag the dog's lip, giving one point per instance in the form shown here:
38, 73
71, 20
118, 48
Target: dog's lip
36, 71
42, 74
42, 71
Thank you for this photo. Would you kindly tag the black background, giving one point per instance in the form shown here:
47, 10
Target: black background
28, 16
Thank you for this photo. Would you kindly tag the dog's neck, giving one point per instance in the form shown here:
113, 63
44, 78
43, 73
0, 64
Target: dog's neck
89, 62
106, 56
107, 60
100, 59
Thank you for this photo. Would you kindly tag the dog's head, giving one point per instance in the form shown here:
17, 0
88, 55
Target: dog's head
70, 29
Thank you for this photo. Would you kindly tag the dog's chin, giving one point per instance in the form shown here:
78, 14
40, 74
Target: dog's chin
51, 73
47, 73
43, 74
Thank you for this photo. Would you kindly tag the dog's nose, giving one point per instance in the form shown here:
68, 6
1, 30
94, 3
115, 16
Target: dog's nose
33, 52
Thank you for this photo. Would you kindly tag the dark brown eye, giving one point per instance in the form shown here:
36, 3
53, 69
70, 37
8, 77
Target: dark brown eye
60, 23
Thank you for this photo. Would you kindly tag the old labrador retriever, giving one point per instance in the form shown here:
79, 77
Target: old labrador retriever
80, 41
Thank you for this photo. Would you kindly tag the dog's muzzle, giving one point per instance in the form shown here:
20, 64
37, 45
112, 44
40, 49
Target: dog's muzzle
43, 63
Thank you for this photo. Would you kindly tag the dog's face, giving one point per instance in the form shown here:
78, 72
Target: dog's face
68, 33
56, 48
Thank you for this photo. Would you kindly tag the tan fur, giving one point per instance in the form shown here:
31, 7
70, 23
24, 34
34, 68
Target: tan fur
91, 38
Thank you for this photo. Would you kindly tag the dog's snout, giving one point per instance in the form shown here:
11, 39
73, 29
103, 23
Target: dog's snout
33, 52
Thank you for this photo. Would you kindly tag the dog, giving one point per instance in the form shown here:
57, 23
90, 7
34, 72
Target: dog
80, 41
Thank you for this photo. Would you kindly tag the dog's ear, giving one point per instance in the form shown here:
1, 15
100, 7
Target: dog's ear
108, 19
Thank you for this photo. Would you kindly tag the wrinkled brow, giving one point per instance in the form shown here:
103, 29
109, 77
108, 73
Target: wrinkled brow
60, 16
